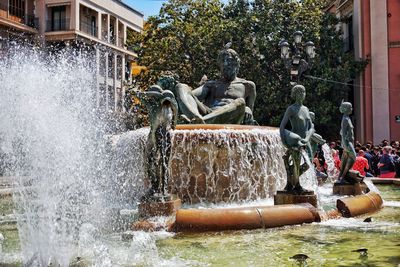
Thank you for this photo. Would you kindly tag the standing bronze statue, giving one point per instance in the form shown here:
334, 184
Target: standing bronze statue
162, 116
297, 139
347, 175
227, 100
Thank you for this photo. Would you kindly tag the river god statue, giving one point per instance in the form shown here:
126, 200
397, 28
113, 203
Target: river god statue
228, 100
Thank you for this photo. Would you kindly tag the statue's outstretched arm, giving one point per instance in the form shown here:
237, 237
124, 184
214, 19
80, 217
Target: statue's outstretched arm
318, 139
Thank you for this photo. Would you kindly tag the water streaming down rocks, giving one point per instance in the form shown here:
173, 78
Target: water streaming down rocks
127, 162
332, 171
226, 165
212, 165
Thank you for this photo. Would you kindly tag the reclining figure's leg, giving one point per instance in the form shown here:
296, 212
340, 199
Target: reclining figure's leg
232, 113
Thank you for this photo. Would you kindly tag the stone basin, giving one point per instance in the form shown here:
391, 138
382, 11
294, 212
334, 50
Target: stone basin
229, 163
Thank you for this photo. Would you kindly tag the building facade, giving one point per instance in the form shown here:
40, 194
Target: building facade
17, 19
371, 30
101, 26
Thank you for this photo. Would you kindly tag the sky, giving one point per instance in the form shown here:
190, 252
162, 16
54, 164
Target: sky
148, 7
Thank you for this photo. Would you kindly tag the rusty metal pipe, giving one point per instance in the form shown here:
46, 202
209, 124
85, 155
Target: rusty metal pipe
358, 205
197, 220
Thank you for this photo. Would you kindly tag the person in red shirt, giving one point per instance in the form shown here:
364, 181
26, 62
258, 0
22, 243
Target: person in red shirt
336, 159
361, 163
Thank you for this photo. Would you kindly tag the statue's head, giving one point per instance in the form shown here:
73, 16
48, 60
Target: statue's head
298, 93
168, 80
229, 63
346, 108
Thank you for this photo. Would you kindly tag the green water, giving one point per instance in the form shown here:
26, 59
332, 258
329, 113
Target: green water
327, 244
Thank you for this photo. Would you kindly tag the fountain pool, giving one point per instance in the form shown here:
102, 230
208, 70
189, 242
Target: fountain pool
329, 243
72, 196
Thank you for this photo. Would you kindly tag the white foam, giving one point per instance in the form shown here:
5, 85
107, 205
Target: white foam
358, 224
395, 204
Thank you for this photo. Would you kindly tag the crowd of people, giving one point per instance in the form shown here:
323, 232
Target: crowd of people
381, 160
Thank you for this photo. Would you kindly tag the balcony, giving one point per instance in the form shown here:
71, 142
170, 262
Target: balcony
57, 25
18, 15
88, 28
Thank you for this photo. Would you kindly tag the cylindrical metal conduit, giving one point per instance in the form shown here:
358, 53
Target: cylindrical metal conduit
195, 220
358, 205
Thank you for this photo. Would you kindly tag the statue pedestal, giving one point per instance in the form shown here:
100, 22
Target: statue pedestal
350, 189
285, 197
154, 208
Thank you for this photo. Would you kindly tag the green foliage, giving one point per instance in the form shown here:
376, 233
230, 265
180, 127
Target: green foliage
187, 35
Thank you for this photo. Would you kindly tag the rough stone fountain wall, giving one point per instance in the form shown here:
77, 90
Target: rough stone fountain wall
226, 165
206, 165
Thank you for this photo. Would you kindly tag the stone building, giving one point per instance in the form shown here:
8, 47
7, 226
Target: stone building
101, 26
371, 30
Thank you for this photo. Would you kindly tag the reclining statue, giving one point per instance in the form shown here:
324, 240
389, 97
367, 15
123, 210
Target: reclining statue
229, 100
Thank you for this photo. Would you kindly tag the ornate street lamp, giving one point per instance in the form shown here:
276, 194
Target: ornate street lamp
297, 37
292, 56
284, 49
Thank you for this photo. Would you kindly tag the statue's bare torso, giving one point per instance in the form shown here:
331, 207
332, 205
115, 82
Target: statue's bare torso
300, 120
222, 92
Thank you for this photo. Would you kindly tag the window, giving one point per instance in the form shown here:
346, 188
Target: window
349, 38
93, 28
17, 8
350, 31
111, 29
58, 18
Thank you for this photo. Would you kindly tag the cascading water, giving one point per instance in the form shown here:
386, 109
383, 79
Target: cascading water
212, 166
128, 164
332, 171
226, 165
52, 142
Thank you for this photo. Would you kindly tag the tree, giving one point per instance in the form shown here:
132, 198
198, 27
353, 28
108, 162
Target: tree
187, 35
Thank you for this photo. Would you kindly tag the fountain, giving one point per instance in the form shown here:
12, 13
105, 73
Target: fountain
214, 163
77, 186
233, 171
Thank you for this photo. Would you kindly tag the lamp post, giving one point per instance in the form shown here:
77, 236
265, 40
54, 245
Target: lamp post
292, 56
